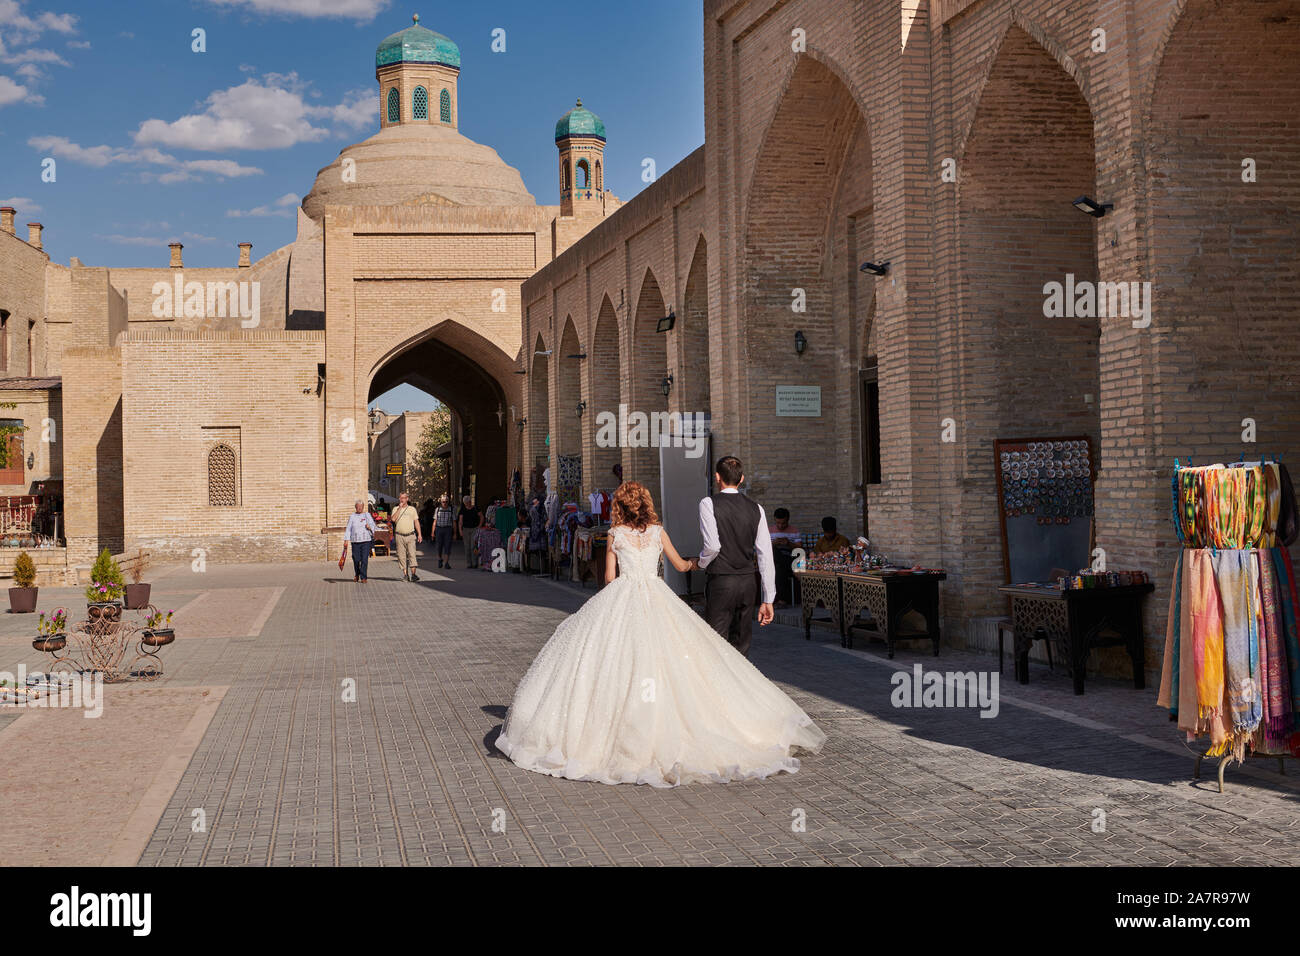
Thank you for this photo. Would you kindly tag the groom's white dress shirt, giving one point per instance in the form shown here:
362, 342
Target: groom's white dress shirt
762, 544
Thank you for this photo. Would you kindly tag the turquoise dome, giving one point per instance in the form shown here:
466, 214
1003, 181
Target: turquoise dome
416, 44
579, 121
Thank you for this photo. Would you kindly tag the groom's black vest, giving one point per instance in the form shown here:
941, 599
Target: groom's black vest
737, 519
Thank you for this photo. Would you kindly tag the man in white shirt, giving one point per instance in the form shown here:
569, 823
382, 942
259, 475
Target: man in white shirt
734, 530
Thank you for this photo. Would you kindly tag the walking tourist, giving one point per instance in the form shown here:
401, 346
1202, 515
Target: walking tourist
444, 522
406, 534
360, 533
469, 520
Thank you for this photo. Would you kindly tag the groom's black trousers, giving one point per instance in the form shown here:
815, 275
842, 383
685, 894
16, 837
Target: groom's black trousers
729, 607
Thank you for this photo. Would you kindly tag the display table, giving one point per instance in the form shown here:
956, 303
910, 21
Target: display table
1076, 620
891, 595
819, 587
888, 594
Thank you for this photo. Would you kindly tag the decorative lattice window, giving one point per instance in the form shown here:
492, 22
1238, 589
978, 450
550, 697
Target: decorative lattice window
420, 103
223, 477
444, 106
394, 106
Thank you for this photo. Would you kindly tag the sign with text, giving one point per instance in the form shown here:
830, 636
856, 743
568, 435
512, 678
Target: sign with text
799, 401
394, 469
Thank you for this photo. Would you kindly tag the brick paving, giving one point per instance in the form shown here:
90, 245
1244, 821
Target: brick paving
290, 773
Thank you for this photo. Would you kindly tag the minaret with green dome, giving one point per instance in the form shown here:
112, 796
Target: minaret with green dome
417, 70
580, 138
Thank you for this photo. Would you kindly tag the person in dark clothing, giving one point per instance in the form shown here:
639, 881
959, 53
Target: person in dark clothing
734, 530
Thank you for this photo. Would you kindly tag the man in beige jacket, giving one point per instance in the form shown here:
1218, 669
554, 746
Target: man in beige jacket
406, 533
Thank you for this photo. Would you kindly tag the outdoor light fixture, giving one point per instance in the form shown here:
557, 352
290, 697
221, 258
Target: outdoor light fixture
31, 461
1086, 204
800, 343
875, 268
545, 352
521, 371
582, 407
667, 385
521, 423
666, 323
577, 355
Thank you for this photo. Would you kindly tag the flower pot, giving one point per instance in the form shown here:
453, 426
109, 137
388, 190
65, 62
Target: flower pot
158, 636
137, 596
108, 610
22, 600
51, 643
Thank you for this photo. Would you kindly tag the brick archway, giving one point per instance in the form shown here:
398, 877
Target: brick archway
651, 349
606, 379
1019, 372
804, 200
693, 320
1225, 252
538, 446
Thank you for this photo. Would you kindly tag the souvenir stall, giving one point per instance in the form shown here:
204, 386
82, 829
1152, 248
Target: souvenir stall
1231, 670
589, 548
488, 539
1045, 512
903, 603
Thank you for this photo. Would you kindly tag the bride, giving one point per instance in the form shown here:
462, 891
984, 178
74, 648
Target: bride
636, 688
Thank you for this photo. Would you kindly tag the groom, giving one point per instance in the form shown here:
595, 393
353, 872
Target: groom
734, 530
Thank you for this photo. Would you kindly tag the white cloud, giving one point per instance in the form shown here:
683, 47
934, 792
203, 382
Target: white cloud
156, 240
11, 92
178, 170
36, 55
361, 10
79, 44
285, 206
19, 29
24, 205
269, 113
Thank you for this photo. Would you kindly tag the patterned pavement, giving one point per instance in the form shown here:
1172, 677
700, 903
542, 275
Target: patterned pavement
289, 772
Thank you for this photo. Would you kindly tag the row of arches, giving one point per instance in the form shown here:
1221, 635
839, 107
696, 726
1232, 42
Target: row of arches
419, 105
575, 379
582, 177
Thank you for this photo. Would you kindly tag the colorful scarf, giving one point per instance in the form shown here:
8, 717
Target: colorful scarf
1233, 573
1168, 696
1277, 690
1207, 639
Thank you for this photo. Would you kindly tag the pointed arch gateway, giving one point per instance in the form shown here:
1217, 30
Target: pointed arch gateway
467, 374
567, 439
606, 378
693, 363
804, 201
539, 409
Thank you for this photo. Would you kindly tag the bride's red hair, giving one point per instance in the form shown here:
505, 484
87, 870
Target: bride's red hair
633, 506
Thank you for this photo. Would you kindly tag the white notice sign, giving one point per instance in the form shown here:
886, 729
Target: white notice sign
799, 401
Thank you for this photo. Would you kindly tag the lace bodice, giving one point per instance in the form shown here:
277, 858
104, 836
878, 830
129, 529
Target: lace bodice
638, 552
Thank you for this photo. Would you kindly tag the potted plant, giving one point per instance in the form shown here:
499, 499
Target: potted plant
22, 599
51, 632
136, 593
104, 593
158, 630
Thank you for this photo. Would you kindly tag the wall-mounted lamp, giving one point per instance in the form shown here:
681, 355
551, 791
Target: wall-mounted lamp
800, 343
577, 355
31, 461
875, 268
1090, 206
521, 423
582, 407
666, 323
667, 385
544, 352
521, 371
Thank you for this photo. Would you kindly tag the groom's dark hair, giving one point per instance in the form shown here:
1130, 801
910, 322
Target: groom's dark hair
729, 470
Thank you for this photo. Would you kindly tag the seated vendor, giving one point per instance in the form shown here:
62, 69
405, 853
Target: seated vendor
830, 540
785, 538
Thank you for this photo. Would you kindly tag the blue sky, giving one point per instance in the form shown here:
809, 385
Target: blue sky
155, 142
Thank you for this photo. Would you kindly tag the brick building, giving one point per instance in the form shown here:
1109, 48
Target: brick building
224, 411
948, 140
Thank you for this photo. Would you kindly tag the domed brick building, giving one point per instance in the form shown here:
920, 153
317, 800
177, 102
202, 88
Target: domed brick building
200, 429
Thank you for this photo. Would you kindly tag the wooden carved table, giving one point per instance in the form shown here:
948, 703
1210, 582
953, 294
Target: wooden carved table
1078, 620
890, 596
820, 587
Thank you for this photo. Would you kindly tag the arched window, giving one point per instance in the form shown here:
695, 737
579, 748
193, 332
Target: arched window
223, 477
394, 106
444, 106
600, 179
564, 176
583, 174
420, 103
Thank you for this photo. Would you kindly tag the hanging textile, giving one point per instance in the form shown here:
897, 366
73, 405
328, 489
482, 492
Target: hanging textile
1232, 653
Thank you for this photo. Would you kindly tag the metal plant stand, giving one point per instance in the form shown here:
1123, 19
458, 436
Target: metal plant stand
99, 644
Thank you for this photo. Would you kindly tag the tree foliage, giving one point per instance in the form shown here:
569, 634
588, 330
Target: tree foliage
426, 472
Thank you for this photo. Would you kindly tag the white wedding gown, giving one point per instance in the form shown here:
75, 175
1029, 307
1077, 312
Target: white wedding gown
636, 688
